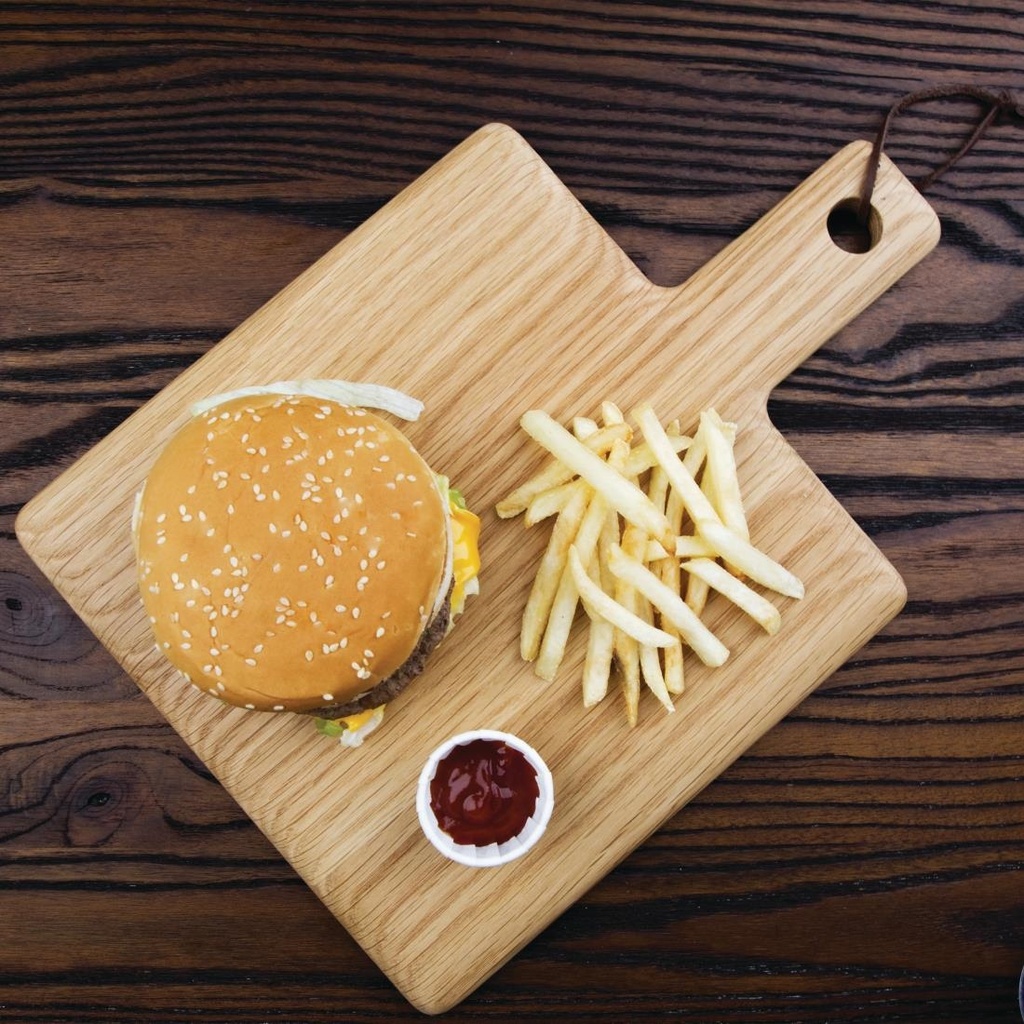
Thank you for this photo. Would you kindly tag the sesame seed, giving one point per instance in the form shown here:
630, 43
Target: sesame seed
381, 564
279, 707
328, 696
162, 518
221, 687
309, 655
355, 613
363, 564
340, 608
380, 632
184, 557
250, 707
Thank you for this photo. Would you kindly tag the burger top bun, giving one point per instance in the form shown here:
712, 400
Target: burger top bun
290, 551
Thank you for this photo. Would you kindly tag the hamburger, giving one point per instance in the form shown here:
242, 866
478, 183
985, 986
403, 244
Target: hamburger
297, 554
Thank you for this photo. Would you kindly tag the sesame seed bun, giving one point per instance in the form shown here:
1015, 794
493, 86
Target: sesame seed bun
291, 551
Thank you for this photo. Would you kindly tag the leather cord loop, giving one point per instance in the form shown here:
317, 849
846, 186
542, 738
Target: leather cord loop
997, 104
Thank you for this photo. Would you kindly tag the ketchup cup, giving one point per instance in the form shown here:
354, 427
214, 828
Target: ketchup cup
490, 854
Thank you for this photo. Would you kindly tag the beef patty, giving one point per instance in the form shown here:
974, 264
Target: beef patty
387, 689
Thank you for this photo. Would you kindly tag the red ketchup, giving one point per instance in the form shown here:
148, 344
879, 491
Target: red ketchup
483, 792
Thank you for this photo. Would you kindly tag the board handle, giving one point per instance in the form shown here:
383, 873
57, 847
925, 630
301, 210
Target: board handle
784, 287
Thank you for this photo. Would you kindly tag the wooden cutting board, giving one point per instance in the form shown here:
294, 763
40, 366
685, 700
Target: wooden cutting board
485, 289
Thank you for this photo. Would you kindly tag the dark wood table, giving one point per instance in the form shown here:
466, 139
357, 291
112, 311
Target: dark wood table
166, 168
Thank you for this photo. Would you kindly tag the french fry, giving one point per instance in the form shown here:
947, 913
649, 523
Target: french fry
675, 677
760, 609
563, 607
597, 666
600, 605
552, 501
725, 485
686, 547
670, 681
626, 498
749, 560
557, 472
641, 458
650, 666
671, 576
626, 648
696, 594
657, 488
629, 653
545, 584
695, 460
705, 644
584, 427
611, 413
693, 498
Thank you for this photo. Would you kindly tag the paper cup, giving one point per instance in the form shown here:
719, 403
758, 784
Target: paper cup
496, 853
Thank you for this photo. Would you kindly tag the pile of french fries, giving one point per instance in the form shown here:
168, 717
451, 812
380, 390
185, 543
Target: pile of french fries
645, 526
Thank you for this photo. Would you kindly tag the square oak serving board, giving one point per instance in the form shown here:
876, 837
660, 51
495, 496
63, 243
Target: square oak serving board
485, 289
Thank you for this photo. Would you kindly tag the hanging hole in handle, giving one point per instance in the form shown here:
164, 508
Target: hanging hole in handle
849, 232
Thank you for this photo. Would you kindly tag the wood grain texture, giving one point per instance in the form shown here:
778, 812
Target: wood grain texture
488, 244
166, 172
